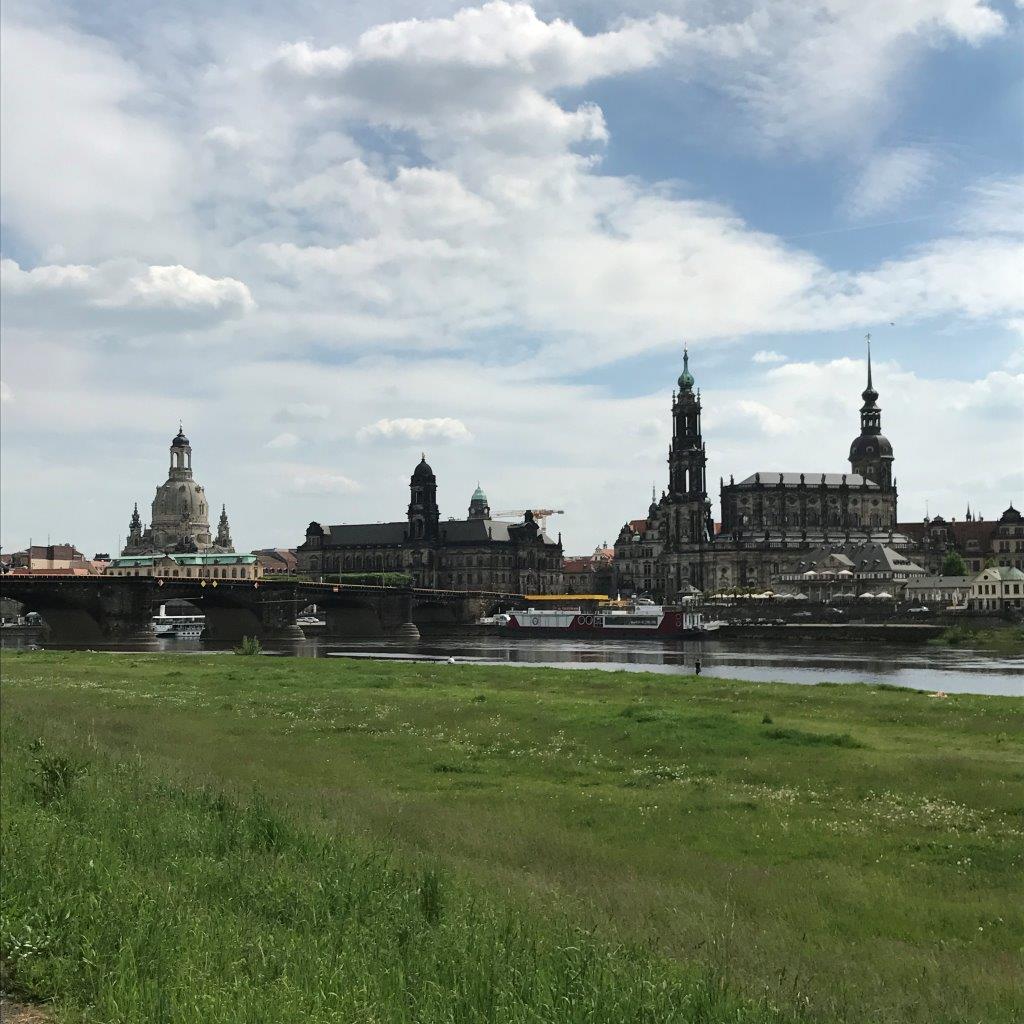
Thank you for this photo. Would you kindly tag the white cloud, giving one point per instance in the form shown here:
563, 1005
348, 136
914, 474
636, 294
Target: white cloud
995, 206
85, 172
822, 73
227, 138
483, 72
768, 356
322, 482
298, 412
283, 440
408, 430
889, 180
159, 298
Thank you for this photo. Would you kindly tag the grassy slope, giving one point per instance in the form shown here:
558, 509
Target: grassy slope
863, 850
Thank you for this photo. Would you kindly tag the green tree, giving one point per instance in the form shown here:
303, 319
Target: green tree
953, 565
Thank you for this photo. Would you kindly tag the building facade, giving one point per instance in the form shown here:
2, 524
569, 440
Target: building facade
206, 566
940, 591
43, 558
475, 553
180, 520
852, 569
770, 520
997, 589
979, 542
589, 574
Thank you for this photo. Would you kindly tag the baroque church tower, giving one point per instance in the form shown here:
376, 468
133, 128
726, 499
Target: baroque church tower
223, 540
478, 507
687, 461
871, 453
423, 513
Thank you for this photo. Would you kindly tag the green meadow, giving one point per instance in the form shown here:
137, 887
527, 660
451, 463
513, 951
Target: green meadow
259, 839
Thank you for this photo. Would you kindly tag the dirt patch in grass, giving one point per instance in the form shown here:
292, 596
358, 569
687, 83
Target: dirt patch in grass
23, 1013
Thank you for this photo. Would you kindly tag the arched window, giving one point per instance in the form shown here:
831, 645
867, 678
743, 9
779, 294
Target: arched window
234, 574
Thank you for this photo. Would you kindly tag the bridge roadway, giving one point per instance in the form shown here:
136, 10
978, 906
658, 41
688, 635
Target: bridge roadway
120, 607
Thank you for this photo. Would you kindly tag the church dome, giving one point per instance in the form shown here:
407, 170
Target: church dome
686, 381
423, 470
478, 495
1011, 515
870, 446
180, 440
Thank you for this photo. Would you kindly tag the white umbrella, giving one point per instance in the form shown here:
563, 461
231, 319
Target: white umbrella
844, 572
882, 593
866, 594
810, 572
799, 597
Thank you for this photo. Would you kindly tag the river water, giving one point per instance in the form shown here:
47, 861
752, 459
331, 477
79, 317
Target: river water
918, 666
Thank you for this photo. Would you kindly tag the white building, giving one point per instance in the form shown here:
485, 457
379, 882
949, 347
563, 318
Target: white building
996, 588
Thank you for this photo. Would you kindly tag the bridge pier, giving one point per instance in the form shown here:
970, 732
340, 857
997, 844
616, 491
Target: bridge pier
396, 616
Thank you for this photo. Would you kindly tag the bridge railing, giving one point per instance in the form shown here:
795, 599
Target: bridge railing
13, 579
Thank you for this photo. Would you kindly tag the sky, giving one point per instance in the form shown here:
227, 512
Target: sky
329, 237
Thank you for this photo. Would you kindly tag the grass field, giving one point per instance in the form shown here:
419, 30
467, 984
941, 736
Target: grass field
220, 838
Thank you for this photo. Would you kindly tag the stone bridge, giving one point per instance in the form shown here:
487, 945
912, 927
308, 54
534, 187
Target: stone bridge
117, 607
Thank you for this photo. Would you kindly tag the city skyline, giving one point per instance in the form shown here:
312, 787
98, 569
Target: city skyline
329, 240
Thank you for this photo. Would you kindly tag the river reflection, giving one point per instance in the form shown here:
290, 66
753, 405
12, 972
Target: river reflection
918, 666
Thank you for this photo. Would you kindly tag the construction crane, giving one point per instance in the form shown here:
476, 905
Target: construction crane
539, 514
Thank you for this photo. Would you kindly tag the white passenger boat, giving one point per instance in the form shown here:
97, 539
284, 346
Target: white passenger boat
642, 620
182, 627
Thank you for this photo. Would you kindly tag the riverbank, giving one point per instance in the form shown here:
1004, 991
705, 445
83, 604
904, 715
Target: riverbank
844, 853
1007, 640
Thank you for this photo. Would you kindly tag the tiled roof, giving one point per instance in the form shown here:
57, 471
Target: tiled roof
279, 559
868, 556
939, 582
582, 564
961, 532
1005, 572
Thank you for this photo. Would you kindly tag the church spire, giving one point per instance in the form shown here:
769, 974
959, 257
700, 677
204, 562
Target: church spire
871, 453
870, 395
224, 531
686, 378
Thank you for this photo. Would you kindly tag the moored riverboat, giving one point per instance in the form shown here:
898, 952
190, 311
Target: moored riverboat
653, 621
181, 627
